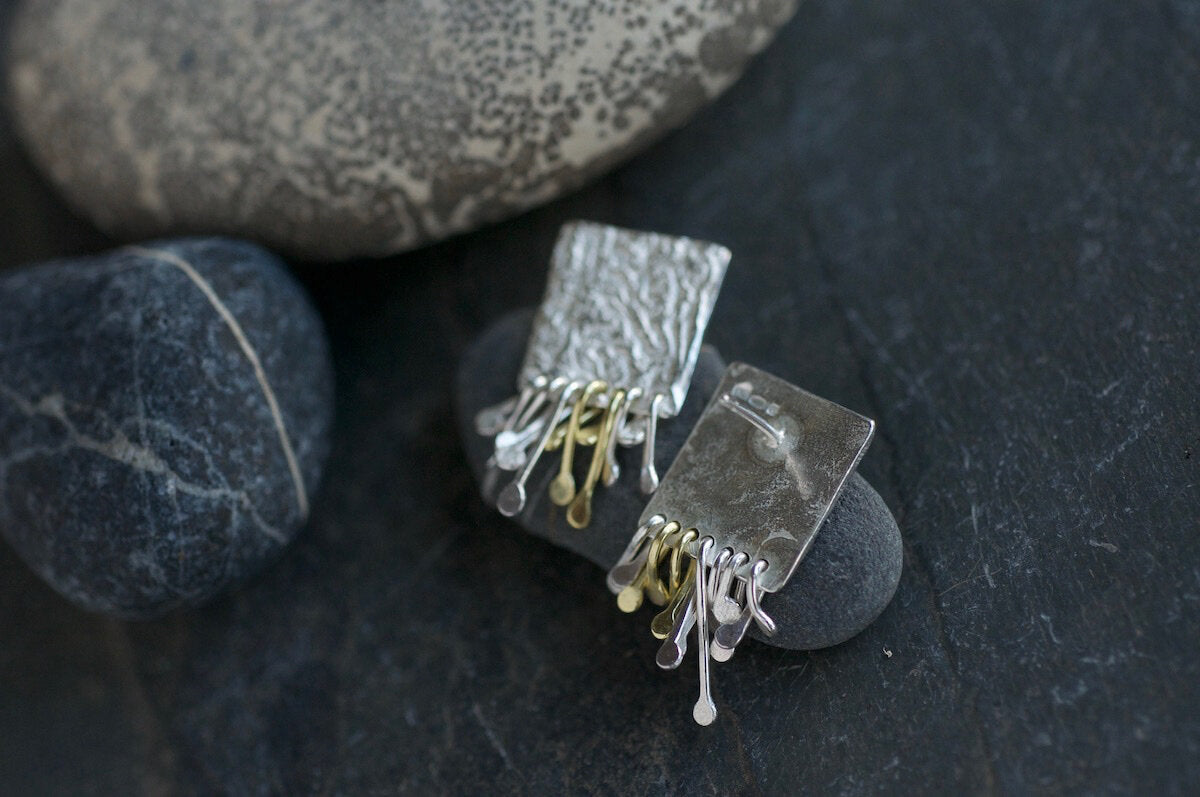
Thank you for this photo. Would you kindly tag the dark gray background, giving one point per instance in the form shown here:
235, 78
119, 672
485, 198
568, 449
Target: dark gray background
976, 222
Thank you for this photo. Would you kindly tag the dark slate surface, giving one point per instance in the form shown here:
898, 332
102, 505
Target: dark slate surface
164, 416
975, 222
845, 581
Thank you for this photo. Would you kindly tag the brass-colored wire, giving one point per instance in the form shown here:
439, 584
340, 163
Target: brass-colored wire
665, 620
579, 515
587, 434
562, 489
666, 550
652, 583
632, 596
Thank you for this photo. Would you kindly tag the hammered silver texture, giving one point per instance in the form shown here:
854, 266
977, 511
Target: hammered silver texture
731, 481
626, 307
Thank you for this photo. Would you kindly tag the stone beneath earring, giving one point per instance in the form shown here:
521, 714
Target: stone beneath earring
846, 579
611, 351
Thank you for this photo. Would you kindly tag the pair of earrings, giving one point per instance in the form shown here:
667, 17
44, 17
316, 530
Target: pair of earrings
612, 352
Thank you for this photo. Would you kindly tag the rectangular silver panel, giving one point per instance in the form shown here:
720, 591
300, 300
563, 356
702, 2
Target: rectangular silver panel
626, 307
752, 492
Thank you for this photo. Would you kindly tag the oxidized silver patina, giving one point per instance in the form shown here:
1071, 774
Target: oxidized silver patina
761, 470
744, 499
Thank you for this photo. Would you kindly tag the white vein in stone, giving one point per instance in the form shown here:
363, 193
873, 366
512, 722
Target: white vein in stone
285, 441
120, 448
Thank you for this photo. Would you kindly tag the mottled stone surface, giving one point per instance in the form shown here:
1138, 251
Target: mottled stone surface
329, 129
843, 583
164, 416
975, 222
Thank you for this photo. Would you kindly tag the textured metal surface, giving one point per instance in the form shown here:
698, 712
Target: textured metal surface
732, 481
626, 307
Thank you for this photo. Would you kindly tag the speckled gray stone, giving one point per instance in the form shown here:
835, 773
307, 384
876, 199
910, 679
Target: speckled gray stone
330, 130
164, 417
845, 581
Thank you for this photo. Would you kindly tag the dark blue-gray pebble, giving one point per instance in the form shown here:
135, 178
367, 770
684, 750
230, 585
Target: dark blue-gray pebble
845, 581
164, 416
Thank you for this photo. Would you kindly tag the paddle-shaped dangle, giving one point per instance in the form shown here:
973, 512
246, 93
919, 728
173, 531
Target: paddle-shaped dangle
562, 489
705, 710
579, 514
512, 499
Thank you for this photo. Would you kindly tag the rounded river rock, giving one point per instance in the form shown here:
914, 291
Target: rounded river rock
841, 586
330, 130
164, 417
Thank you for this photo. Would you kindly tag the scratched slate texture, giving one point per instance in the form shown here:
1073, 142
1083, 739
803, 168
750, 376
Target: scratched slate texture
975, 222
